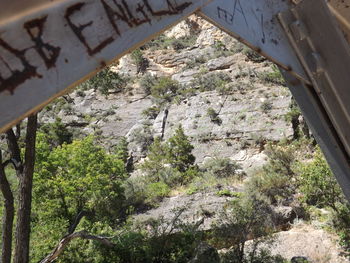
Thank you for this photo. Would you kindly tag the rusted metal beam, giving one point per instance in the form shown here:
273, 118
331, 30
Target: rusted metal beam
48, 46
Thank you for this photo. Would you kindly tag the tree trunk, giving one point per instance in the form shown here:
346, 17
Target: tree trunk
7, 219
25, 195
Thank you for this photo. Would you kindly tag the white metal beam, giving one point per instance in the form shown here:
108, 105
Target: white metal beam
255, 23
322, 129
48, 46
325, 55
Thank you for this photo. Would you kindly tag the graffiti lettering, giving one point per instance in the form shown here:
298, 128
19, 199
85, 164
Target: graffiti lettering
263, 39
78, 30
260, 22
46, 51
17, 66
228, 16
172, 9
121, 12
18, 76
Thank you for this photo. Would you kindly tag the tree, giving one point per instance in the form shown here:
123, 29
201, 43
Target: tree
176, 152
121, 150
140, 61
56, 133
24, 166
274, 179
247, 218
78, 177
25, 176
73, 182
165, 89
9, 213
318, 184
319, 187
180, 151
156, 158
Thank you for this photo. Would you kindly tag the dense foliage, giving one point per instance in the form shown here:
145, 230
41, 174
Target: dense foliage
72, 179
77, 183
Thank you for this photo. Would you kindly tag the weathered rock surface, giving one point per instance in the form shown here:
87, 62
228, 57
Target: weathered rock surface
199, 207
220, 63
305, 241
252, 111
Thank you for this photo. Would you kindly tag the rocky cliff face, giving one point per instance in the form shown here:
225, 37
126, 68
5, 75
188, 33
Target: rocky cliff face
232, 102
250, 107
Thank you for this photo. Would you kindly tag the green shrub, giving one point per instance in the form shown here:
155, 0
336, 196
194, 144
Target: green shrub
247, 217
108, 112
318, 184
275, 179
170, 162
176, 152
258, 256
56, 133
164, 42
214, 116
121, 149
203, 183
156, 159
135, 191
106, 81
221, 50
196, 62
183, 42
274, 186
157, 191
293, 113
171, 176
221, 167
80, 93
142, 136
140, 61
180, 151
227, 193
266, 106
165, 89
147, 82
274, 77
212, 81
161, 42
151, 112
165, 241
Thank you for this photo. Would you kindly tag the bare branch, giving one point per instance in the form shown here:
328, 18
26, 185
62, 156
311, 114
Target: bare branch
76, 222
67, 239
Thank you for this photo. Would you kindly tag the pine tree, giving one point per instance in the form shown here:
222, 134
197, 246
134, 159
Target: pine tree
179, 151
